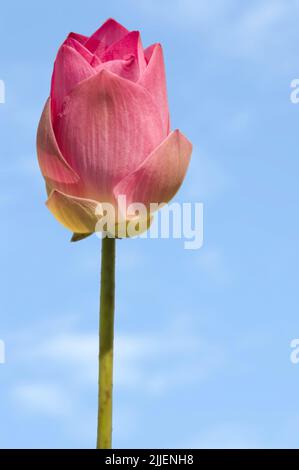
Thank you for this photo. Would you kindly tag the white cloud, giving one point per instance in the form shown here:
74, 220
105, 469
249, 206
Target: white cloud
77, 352
147, 363
226, 436
42, 398
166, 360
153, 362
163, 361
76, 348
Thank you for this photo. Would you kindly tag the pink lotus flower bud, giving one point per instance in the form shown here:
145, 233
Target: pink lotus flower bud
104, 131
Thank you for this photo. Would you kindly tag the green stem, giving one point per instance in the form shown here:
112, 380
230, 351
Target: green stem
104, 437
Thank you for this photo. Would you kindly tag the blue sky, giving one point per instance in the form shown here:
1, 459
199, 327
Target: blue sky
202, 337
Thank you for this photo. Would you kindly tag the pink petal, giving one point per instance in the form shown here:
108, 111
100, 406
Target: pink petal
100, 49
154, 80
70, 68
128, 46
78, 37
79, 48
149, 51
53, 166
92, 59
76, 214
159, 177
96, 61
128, 69
108, 127
107, 34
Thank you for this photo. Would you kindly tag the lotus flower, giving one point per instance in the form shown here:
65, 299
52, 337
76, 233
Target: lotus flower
105, 129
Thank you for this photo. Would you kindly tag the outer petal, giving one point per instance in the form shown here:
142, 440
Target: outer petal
128, 69
53, 166
107, 34
92, 59
108, 127
133, 226
76, 214
149, 51
154, 80
78, 37
70, 68
80, 216
77, 237
159, 177
71, 42
126, 47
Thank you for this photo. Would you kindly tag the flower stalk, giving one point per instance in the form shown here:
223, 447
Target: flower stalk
106, 337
